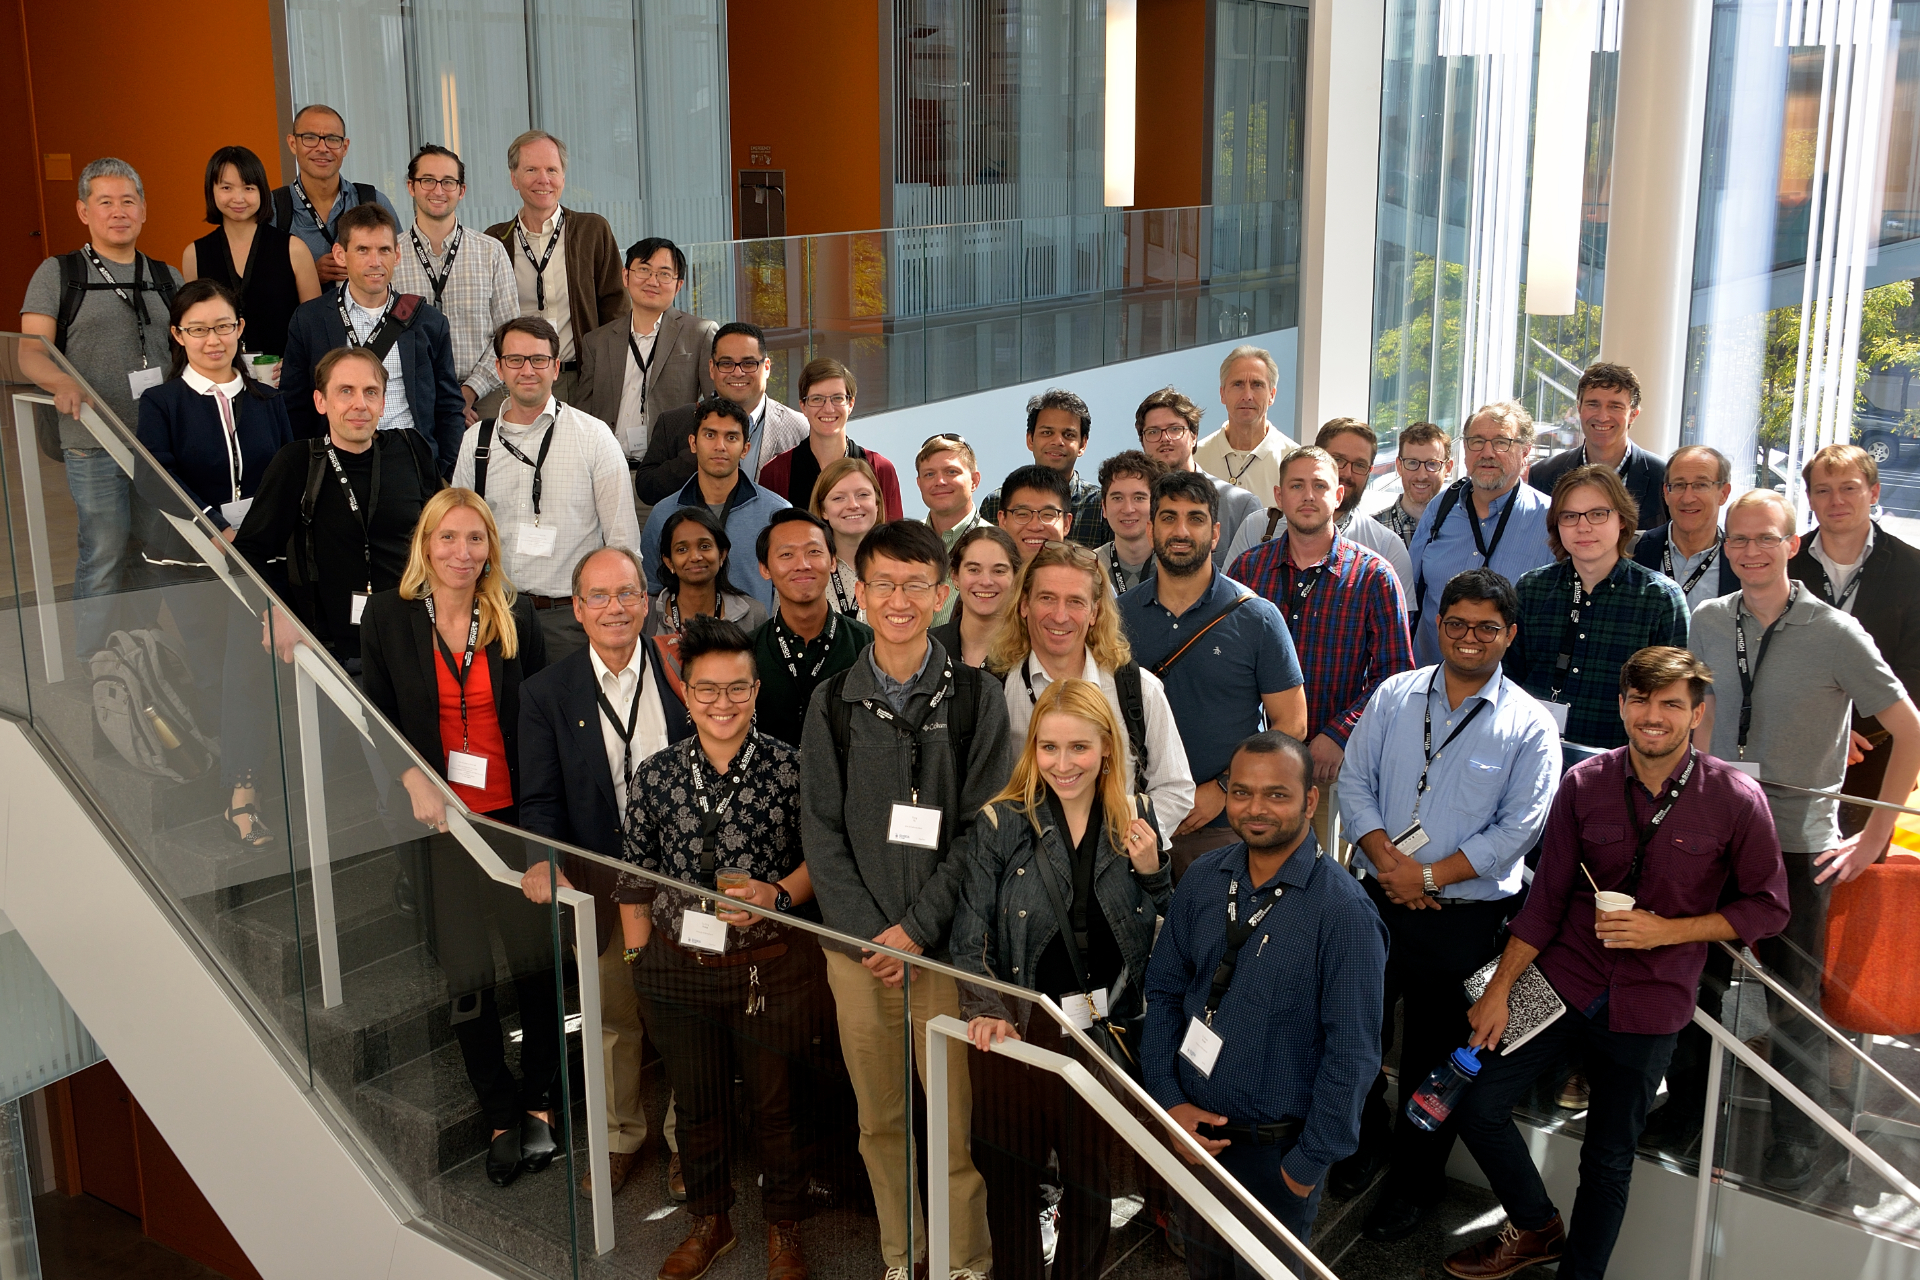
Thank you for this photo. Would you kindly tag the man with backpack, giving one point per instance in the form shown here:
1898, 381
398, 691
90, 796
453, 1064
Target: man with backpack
319, 145
408, 335
899, 753
105, 307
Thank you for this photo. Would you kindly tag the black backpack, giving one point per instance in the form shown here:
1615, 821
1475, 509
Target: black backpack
76, 282
1133, 710
960, 726
303, 561
283, 206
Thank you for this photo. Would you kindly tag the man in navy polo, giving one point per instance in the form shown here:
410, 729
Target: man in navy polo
1222, 652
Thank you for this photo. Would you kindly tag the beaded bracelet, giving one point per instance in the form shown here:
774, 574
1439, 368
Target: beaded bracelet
631, 955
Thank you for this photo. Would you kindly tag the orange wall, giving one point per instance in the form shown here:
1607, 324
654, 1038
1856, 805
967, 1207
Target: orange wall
174, 99
804, 79
1170, 151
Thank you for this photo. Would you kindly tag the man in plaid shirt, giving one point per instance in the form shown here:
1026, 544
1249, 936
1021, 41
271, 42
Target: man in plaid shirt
1342, 604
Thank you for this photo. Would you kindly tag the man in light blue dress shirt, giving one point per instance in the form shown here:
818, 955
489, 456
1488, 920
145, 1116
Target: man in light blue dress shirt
1487, 518
1448, 779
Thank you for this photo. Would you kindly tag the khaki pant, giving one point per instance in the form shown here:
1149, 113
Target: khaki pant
872, 1018
620, 1033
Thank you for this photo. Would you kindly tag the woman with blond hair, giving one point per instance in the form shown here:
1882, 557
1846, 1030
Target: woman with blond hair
847, 497
1063, 882
443, 658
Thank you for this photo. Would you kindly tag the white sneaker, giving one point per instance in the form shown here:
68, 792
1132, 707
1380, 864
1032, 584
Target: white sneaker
897, 1273
1049, 1233
963, 1273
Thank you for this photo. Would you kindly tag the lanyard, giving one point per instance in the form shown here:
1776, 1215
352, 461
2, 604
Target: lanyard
1233, 477
842, 602
459, 672
1643, 836
540, 267
135, 303
230, 433
792, 660
363, 518
1853, 583
1706, 562
353, 335
645, 362
1026, 674
625, 732
438, 282
722, 803
1237, 935
1564, 663
1749, 674
1115, 572
319, 223
546, 443
1420, 788
909, 729
1486, 548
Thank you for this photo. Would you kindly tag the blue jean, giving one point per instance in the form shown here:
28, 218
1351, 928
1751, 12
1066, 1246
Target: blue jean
1257, 1168
102, 497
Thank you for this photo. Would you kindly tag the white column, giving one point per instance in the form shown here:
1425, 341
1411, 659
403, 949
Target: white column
1337, 211
1656, 186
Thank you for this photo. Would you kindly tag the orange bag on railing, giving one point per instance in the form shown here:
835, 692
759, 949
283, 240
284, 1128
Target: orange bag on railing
1872, 979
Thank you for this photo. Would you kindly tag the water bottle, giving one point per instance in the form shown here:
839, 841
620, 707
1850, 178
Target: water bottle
1435, 1099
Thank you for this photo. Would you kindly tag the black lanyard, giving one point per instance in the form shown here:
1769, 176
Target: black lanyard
1426, 711
540, 267
713, 812
1486, 548
353, 338
1643, 835
465, 664
546, 443
1853, 583
320, 223
1115, 572
792, 659
135, 303
842, 602
625, 732
1706, 562
438, 282
1564, 663
1237, 935
1749, 674
645, 362
363, 518
910, 729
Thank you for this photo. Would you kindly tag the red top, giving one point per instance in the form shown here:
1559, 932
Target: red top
792, 475
483, 737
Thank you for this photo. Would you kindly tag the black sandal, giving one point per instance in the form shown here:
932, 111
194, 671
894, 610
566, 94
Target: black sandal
257, 837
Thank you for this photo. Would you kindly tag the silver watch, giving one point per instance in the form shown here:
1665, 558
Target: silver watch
1426, 878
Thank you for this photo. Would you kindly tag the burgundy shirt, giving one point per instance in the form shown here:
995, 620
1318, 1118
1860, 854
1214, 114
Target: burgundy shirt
1716, 851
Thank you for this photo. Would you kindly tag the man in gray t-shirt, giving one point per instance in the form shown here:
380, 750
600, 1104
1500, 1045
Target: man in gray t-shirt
118, 344
1807, 667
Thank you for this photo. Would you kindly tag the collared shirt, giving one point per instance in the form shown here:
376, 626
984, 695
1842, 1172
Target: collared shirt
1301, 1022
1354, 526
397, 412
1085, 504
1487, 791
650, 727
479, 297
1399, 521
896, 692
1256, 470
1708, 586
207, 386
1350, 633
584, 494
559, 311
634, 415
969, 521
787, 682
1437, 558
759, 828
1169, 780
1629, 609
1840, 575
1215, 689
1718, 837
319, 236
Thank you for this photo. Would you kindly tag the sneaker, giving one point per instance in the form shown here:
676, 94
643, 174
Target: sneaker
1049, 1233
1574, 1094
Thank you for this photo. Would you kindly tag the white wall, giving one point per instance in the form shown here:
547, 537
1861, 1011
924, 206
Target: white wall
995, 422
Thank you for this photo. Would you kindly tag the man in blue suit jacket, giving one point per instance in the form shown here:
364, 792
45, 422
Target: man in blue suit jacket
409, 334
575, 758
1687, 548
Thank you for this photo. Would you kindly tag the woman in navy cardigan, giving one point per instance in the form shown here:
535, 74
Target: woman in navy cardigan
212, 429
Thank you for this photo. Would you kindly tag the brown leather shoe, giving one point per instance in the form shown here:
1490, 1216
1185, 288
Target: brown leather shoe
619, 1165
1510, 1251
785, 1259
676, 1181
712, 1239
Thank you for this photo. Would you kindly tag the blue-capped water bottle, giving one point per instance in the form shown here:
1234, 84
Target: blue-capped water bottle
1436, 1098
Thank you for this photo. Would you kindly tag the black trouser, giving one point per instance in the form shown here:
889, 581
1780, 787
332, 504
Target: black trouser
1020, 1114
461, 902
1623, 1073
1798, 1047
1256, 1166
1429, 956
697, 1018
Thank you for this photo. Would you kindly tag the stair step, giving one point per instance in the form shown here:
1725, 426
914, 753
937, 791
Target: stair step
261, 934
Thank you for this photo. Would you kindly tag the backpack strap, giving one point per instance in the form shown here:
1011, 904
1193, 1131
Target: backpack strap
73, 292
283, 208
309, 498
1133, 710
399, 318
1448, 501
423, 462
960, 725
365, 192
162, 278
483, 450
1274, 517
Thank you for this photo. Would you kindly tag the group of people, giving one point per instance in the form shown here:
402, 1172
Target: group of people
1082, 736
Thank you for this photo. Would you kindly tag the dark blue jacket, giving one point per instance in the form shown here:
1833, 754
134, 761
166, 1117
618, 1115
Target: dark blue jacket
1645, 477
426, 362
1653, 545
182, 430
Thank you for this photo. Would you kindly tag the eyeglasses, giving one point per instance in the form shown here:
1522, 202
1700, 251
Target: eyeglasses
1501, 445
312, 140
1151, 435
706, 693
748, 365
882, 589
1764, 541
1457, 628
1029, 515
224, 328
448, 185
1691, 486
1421, 464
1596, 517
627, 596
665, 275
521, 362
949, 441
817, 403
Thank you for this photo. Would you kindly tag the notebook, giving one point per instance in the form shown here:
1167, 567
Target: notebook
1532, 1005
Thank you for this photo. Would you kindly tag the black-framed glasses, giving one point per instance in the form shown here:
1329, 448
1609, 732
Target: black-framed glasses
1457, 628
1153, 435
1690, 486
1596, 517
312, 140
518, 361
1501, 445
746, 364
224, 328
1421, 464
706, 692
448, 185
1027, 515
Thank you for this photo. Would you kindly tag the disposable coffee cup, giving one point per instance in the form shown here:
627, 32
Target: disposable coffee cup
1609, 901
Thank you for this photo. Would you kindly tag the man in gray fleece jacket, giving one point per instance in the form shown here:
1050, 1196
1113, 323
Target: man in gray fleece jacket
877, 826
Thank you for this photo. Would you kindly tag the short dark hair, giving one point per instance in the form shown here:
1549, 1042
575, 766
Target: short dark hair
699, 515
1657, 666
532, 326
741, 327
1131, 462
1169, 398
251, 172
1187, 486
643, 251
364, 217
435, 149
703, 634
1481, 584
1425, 433
825, 369
710, 406
186, 298
908, 541
789, 515
1335, 427
1607, 481
1609, 377
992, 533
1040, 479
323, 369
1272, 742
1060, 398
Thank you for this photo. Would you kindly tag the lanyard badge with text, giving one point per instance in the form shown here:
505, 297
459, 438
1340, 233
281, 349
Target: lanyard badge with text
700, 928
1202, 1044
463, 767
913, 823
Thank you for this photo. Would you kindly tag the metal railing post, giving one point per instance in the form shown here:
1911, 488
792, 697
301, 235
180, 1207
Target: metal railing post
586, 943
1703, 1193
939, 1234
39, 551
313, 780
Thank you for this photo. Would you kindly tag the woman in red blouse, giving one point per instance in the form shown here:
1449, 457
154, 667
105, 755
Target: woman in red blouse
443, 657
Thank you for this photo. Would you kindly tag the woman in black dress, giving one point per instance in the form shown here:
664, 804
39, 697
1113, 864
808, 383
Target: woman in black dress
269, 270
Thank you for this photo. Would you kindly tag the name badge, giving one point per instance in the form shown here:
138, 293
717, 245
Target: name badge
914, 824
357, 607
235, 512
1558, 710
636, 437
536, 540
1083, 1010
466, 769
1201, 1047
1412, 840
702, 932
142, 379
1749, 767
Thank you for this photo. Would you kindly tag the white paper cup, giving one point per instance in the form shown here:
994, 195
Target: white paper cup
1609, 901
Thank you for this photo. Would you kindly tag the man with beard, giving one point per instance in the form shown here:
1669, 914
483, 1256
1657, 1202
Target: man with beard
1222, 652
1353, 447
1692, 841
1270, 1087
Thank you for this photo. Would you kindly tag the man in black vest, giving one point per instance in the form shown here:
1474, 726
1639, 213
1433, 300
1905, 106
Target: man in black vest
1609, 400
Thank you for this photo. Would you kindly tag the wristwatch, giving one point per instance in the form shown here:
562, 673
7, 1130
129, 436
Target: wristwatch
1426, 878
782, 900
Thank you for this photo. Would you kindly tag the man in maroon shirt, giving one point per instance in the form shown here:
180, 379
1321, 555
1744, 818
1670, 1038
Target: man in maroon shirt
1672, 827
